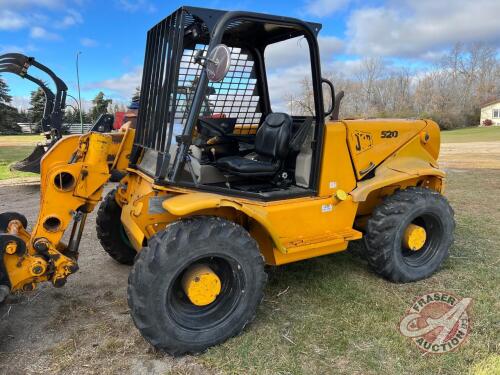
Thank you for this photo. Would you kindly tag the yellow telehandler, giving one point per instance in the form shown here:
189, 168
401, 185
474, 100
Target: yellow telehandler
217, 185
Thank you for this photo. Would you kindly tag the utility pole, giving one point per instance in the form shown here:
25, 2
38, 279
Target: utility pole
79, 95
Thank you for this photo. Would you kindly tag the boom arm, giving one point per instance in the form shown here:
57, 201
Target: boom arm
73, 175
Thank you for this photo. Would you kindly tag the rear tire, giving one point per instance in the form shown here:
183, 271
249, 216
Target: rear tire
385, 229
111, 233
159, 307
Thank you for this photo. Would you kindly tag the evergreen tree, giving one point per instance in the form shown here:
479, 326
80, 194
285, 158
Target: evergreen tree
4, 92
100, 106
37, 106
9, 116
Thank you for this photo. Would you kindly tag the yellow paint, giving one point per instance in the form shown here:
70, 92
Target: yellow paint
336, 167
11, 248
341, 195
201, 285
73, 173
414, 237
38, 266
372, 141
125, 147
412, 161
320, 224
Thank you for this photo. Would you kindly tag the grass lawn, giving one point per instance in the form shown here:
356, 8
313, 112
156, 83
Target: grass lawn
19, 140
483, 134
9, 155
333, 315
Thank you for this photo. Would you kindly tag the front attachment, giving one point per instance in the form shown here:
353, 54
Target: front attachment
32, 162
23, 265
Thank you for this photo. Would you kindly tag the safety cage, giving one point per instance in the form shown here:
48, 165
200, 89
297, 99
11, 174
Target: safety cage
169, 105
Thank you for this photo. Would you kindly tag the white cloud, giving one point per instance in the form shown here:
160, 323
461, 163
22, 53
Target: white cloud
416, 28
295, 51
286, 83
133, 6
11, 20
21, 102
70, 19
16, 48
31, 3
123, 85
288, 64
88, 42
324, 8
38, 32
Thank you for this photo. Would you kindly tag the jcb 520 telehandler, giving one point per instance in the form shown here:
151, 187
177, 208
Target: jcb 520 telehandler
218, 184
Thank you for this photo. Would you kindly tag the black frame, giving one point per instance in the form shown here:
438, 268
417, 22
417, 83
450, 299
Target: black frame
153, 93
55, 105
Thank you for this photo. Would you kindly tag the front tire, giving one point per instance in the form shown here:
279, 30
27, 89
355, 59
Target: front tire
111, 233
160, 308
385, 251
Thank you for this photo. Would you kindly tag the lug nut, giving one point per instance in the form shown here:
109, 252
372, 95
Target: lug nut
11, 248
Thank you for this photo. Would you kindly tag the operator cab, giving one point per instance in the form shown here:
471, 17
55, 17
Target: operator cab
221, 110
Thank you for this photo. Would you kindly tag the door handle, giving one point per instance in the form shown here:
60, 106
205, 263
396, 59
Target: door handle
367, 169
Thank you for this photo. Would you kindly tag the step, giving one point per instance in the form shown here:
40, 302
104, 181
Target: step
327, 239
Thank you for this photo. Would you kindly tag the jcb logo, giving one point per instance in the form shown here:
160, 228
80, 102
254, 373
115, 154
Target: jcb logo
362, 141
389, 134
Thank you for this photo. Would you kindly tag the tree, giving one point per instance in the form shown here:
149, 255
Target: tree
37, 106
9, 116
100, 106
137, 95
4, 92
450, 92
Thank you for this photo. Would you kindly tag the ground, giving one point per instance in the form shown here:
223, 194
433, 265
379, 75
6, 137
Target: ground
325, 315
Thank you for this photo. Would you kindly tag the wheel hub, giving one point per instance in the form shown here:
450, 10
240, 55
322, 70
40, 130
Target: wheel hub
414, 237
201, 284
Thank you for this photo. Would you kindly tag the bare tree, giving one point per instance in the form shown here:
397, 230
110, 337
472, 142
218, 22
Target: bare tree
450, 92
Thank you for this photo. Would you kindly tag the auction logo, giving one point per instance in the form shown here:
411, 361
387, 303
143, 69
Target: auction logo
437, 322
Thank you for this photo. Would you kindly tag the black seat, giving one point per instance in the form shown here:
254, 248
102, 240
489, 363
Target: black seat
272, 142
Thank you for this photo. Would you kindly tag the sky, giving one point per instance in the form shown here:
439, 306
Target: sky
110, 35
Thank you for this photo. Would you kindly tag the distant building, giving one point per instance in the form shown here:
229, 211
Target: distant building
491, 111
32, 128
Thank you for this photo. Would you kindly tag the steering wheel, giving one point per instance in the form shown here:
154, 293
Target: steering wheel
209, 124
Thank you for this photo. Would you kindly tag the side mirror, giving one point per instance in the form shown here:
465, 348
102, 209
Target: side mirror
328, 98
218, 63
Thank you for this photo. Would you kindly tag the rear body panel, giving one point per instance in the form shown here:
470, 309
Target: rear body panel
372, 141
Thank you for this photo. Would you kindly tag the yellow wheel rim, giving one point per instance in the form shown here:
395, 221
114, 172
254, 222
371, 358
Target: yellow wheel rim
414, 237
201, 285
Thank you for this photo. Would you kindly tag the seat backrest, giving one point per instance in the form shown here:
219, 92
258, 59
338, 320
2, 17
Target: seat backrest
273, 137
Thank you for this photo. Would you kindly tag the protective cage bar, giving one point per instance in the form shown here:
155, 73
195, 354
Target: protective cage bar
159, 86
169, 82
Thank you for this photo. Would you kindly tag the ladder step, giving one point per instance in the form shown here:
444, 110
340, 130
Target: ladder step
329, 239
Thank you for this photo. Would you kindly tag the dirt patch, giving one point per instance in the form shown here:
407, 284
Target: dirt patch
83, 328
471, 155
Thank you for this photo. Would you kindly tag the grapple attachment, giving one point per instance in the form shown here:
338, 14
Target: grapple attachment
32, 162
51, 121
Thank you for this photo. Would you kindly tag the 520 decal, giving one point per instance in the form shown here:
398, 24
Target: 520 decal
389, 134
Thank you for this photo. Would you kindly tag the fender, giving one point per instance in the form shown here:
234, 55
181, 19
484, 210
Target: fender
186, 204
410, 162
